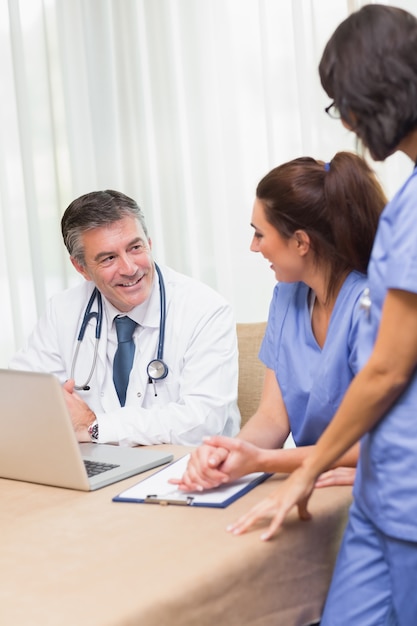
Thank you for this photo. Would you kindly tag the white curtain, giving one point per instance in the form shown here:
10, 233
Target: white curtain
183, 105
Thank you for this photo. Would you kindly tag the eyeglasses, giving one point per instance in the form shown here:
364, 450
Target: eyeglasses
332, 111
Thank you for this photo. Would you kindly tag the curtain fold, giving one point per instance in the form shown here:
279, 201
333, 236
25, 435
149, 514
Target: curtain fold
183, 105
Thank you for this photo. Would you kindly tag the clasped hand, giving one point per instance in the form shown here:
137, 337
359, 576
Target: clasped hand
219, 460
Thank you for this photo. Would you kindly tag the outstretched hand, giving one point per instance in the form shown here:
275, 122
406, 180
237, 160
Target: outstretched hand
294, 491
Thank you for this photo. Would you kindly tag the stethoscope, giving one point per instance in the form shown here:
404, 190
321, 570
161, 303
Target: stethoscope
157, 369
365, 301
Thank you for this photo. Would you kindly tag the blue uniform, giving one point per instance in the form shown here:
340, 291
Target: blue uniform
323, 374
377, 563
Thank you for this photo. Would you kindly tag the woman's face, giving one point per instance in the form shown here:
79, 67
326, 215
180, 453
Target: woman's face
283, 254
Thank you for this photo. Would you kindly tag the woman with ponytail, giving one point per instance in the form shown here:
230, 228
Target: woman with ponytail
315, 223
369, 70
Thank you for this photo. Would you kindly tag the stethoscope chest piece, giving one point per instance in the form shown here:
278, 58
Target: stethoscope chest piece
157, 369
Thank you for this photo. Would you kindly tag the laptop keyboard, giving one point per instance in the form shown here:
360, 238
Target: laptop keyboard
94, 467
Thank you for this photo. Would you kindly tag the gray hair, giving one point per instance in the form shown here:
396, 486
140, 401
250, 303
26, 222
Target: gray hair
94, 210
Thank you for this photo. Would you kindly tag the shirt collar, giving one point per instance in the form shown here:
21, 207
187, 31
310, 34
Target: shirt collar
146, 314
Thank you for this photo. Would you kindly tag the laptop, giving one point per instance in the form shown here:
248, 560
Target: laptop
38, 442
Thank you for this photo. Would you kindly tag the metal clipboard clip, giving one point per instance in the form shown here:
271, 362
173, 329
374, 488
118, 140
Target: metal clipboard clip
166, 499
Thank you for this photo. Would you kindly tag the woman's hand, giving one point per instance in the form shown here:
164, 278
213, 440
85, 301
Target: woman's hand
218, 461
337, 476
203, 469
295, 490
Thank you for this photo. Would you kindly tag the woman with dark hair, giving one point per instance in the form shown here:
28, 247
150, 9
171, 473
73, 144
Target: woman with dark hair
369, 68
315, 223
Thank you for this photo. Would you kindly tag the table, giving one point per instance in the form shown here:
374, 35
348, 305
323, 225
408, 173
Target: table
74, 558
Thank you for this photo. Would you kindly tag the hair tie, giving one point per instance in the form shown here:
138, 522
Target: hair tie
327, 166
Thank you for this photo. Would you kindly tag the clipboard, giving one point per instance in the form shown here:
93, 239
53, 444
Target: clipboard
157, 490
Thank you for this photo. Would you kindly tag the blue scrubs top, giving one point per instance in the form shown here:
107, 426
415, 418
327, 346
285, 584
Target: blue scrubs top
312, 380
386, 485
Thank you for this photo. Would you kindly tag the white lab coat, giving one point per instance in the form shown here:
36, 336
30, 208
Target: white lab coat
199, 395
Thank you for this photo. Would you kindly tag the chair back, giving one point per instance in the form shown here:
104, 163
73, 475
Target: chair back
251, 369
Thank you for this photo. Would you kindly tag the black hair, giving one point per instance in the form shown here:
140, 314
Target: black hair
369, 69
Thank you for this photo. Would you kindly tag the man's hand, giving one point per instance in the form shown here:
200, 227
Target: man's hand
81, 415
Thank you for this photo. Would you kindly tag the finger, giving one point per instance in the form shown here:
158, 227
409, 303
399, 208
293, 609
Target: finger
303, 512
182, 486
206, 478
339, 476
328, 479
69, 385
189, 484
200, 465
202, 474
279, 517
218, 441
217, 458
175, 481
274, 526
194, 482
323, 482
245, 522
324, 476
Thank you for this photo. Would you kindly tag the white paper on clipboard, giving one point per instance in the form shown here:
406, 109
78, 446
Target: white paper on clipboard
157, 489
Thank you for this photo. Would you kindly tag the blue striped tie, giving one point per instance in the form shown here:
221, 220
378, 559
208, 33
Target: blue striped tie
123, 359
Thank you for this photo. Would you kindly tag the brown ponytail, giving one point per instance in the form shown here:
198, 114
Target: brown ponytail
337, 204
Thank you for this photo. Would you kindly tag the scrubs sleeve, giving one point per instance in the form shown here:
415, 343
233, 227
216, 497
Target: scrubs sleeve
402, 255
354, 336
267, 352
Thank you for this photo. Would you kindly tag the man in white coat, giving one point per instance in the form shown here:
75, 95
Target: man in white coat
183, 381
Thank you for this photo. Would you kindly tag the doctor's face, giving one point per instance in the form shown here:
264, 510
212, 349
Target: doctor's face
283, 254
118, 259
